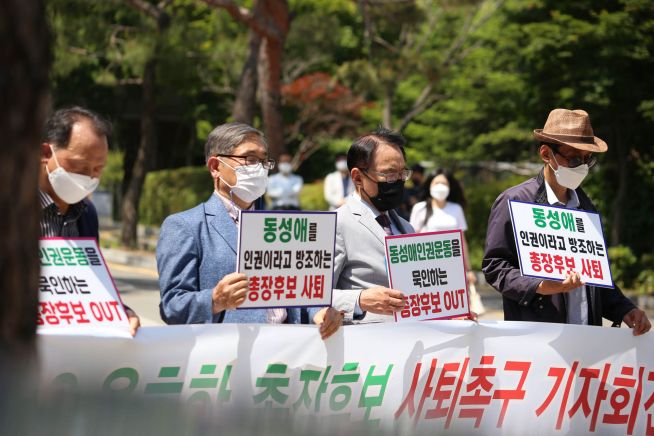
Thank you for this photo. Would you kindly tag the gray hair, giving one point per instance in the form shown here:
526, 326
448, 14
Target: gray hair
224, 138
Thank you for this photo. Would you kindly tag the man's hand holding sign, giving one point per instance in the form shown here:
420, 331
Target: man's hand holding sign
545, 250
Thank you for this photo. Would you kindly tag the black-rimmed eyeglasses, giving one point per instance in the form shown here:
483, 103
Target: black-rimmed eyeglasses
574, 162
252, 161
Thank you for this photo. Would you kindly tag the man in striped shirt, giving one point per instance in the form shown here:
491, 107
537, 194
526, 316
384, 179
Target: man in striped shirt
73, 155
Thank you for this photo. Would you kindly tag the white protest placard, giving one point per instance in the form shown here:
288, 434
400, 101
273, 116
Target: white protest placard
76, 292
288, 257
429, 268
553, 241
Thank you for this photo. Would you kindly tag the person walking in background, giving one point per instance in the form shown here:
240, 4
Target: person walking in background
338, 185
284, 187
442, 208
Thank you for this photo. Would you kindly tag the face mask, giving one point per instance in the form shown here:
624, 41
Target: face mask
70, 187
570, 178
341, 165
439, 191
285, 167
389, 195
250, 182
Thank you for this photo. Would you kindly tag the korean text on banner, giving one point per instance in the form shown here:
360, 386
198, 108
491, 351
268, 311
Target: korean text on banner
454, 377
553, 241
430, 269
288, 257
76, 291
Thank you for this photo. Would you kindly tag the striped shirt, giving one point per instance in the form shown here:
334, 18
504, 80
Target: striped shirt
53, 223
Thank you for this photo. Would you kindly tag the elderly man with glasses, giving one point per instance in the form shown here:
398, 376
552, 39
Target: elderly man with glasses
378, 169
567, 144
196, 254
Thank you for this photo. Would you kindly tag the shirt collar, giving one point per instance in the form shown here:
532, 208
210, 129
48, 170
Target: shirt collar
373, 209
232, 208
573, 201
46, 201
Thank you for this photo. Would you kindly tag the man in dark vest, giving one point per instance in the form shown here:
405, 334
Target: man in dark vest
567, 147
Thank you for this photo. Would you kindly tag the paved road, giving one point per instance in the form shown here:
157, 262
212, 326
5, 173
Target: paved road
139, 288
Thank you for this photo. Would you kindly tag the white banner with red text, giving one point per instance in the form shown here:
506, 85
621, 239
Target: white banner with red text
435, 376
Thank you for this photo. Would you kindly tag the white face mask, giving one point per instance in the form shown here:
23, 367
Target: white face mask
570, 178
285, 167
439, 191
251, 183
341, 165
70, 187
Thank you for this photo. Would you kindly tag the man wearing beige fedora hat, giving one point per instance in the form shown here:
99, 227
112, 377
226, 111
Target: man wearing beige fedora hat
567, 144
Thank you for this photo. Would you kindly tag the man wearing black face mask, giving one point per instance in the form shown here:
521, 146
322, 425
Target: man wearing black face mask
377, 166
567, 146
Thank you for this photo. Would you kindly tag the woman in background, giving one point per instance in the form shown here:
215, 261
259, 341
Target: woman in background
442, 209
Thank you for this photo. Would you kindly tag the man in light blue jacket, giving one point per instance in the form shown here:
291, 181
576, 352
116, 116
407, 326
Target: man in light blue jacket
196, 253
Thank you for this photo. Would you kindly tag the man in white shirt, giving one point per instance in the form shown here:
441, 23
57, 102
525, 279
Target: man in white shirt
338, 185
284, 187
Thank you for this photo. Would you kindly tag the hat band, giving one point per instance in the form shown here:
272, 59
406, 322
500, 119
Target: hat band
571, 138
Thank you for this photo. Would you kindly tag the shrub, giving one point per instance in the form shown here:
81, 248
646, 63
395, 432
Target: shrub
168, 191
312, 196
480, 195
644, 283
623, 265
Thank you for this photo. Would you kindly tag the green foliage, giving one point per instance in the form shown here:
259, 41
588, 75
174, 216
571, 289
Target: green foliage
481, 193
624, 266
511, 69
312, 196
644, 283
112, 175
169, 191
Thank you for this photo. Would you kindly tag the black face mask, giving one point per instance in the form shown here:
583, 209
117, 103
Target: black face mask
389, 195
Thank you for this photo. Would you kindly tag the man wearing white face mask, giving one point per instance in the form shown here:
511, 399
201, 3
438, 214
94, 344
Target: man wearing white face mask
73, 155
284, 187
567, 147
196, 253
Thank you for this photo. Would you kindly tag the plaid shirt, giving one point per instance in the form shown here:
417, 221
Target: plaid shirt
53, 223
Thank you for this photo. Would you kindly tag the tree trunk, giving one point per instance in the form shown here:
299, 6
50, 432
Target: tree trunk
270, 73
25, 59
132, 196
620, 153
245, 105
271, 99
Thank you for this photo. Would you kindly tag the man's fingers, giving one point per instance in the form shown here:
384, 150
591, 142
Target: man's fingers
328, 331
395, 294
233, 278
238, 291
396, 304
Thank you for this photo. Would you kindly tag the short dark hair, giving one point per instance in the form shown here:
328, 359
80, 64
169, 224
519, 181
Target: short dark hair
360, 152
417, 168
60, 125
